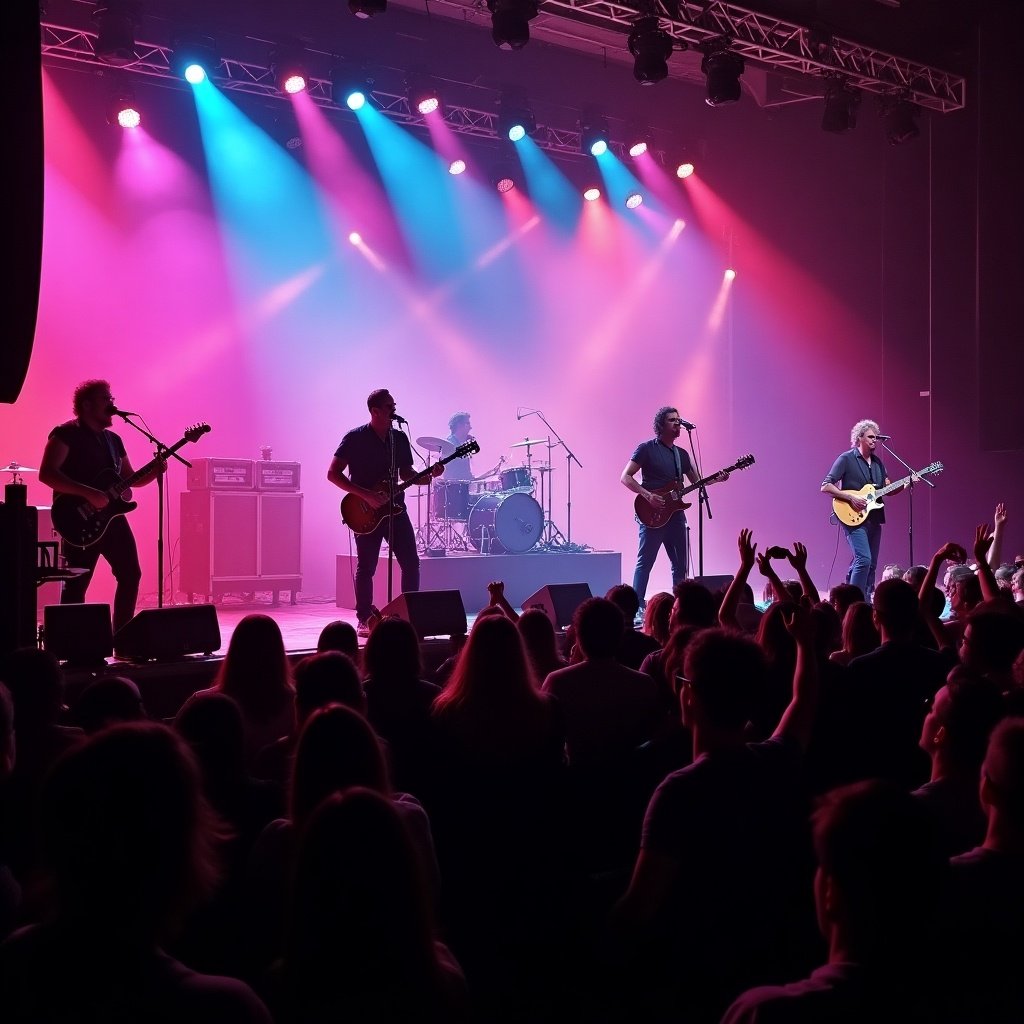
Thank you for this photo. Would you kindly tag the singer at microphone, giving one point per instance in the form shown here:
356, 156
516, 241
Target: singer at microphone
400, 420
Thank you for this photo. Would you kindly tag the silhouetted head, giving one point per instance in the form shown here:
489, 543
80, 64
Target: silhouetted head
599, 626
626, 599
842, 595
860, 635
211, 724
255, 670
724, 673
694, 605
106, 701
328, 678
657, 616
392, 652
539, 640
896, 608
960, 720
1002, 773
339, 636
36, 684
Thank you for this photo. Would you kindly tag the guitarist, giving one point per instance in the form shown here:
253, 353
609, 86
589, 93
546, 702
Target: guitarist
857, 466
663, 463
77, 453
367, 456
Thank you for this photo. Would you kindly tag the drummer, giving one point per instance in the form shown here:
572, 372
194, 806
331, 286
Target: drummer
459, 428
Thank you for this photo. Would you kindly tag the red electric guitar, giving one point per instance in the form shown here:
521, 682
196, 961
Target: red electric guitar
649, 515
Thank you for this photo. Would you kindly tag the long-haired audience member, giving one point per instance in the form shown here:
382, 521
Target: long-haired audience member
779, 651
320, 679
361, 942
987, 920
339, 636
657, 615
540, 642
860, 635
337, 749
126, 841
398, 699
256, 675
955, 736
842, 595
876, 892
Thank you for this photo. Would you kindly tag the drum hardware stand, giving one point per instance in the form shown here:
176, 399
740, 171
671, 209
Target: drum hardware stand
551, 538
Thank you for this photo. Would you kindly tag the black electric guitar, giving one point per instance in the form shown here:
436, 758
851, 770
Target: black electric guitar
81, 524
653, 516
359, 517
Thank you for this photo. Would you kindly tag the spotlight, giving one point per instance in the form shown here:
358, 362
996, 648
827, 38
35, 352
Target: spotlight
194, 59
722, 68
633, 200
288, 69
592, 193
348, 90
115, 32
841, 103
510, 22
594, 136
457, 167
730, 274
515, 121
642, 144
684, 170
505, 177
423, 98
651, 49
355, 238
123, 112
900, 120
505, 184
367, 8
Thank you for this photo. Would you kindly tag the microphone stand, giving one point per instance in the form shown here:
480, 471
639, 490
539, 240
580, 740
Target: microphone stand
570, 458
162, 451
910, 488
391, 517
702, 503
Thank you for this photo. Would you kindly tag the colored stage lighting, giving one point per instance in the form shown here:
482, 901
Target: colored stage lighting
456, 166
422, 96
510, 22
505, 184
355, 238
515, 120
115, 32
651, 49
591, 194
349, 90
684, 170
288, 68
123, 112
633, 200
638, 148
730, 274
367, 8
194, 59
594, 136
722, 68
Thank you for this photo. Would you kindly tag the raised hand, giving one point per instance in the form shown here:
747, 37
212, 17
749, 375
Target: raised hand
951, 552
748, 550
496, 589
764, 565
982, 541
1000, 516
799, 623
798, 556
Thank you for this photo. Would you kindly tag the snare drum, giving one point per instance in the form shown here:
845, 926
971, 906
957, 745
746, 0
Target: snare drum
517, 479
505, 524
449, 499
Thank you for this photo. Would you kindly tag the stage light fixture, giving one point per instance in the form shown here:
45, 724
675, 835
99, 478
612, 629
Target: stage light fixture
349, 90
684, 169
594, 135
122, 110
900, 120
730, 274
504, 177
591, 194
367, 8
457, 167
289, 69
642, 144
355, 238
651, 49
841, 103
633, 200
722, 69
510, 22
423, 97
515, 121
115, 32
194, 58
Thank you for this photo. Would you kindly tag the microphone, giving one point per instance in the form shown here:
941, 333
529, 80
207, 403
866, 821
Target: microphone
687, 424
400, 420
883, 437
123, 413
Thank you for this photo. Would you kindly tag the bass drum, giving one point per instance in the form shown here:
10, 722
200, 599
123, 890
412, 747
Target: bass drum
505, 524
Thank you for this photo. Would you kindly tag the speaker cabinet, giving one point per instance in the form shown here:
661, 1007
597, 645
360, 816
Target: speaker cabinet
161, 634
559, 601
79, 634
431, 612
280, 534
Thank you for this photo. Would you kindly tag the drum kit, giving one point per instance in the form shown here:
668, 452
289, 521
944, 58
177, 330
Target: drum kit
497, 514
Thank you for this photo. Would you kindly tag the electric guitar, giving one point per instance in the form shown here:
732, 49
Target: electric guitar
848, 514
81, 524
359, 517
649, 515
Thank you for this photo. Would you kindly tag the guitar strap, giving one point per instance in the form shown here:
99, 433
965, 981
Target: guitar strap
114, 461
679, 467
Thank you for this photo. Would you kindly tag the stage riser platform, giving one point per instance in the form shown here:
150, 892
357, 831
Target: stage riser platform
522, 575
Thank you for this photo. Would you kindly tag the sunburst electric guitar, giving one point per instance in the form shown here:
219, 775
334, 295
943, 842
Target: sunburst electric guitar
81, 524
846, 513
651, 516
359, 517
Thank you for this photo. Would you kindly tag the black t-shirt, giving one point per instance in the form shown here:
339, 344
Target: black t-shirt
368, 457
658, 463
89, 452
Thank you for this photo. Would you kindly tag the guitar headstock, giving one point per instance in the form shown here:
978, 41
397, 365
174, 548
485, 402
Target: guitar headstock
469, 448
195, 432
935, 467
744, 462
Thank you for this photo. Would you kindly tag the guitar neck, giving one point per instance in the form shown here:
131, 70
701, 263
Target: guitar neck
896, 484
138, 475
424, 474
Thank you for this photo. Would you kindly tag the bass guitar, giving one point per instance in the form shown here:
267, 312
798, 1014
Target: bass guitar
81, 524
358, 515
846, 513
653, 516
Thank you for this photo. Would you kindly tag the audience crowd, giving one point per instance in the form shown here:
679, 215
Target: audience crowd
803, 810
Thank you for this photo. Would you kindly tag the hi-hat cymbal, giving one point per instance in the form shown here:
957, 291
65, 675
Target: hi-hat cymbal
14, 467
528, 441
436, 444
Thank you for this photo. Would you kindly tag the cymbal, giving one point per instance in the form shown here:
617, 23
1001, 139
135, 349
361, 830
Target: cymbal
14, 467
528, 441
436, 444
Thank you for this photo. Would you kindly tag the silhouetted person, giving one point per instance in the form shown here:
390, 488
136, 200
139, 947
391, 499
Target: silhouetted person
10, 890
339, 636
107, 701
635, 645
541, 642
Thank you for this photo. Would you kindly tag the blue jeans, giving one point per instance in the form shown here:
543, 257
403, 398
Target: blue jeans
864, 541
673, 536
368, 551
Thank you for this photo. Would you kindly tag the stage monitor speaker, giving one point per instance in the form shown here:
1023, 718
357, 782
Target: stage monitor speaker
161, 634
431, 612
559, 601
79, 634
716, 584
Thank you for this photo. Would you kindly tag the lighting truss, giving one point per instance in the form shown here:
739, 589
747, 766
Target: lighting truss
62, 45
780, 44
